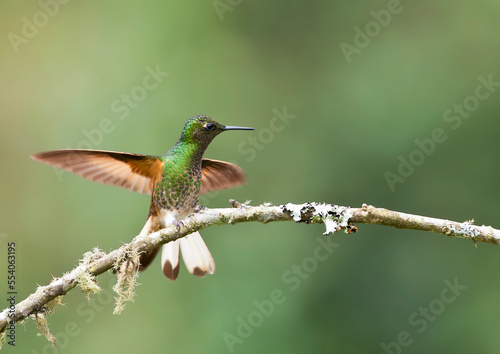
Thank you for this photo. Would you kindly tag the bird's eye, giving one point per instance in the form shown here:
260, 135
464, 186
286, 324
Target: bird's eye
210, 127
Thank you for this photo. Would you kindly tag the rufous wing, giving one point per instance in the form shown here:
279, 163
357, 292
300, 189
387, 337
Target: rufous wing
217, 175
137, 173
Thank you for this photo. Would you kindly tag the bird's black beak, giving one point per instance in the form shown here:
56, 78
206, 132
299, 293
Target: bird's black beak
230, 127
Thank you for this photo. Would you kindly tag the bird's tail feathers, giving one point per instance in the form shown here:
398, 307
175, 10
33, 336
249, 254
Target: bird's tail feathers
145, 259
197, 257
170, 259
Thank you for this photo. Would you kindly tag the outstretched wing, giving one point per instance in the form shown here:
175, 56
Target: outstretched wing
137, 173
217, 175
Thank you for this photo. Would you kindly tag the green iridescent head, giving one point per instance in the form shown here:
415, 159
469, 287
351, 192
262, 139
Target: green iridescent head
203, 129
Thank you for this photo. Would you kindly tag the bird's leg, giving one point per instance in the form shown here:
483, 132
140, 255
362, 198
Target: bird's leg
199, 208
178, 224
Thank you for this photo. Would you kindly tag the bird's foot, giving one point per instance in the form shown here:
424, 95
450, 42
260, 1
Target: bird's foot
178, 224
199, 208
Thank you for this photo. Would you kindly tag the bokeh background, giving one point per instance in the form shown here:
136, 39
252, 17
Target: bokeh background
75, 79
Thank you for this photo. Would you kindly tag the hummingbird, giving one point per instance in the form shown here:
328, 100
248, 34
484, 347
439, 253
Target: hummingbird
175, 182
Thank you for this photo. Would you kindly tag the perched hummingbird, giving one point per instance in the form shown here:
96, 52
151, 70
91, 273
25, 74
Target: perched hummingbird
174, 180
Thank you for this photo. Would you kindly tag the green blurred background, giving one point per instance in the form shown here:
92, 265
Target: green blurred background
241, 62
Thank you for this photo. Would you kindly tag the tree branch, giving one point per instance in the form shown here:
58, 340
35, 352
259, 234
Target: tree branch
124, 259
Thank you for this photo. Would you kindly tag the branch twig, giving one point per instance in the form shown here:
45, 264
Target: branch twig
334, 217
